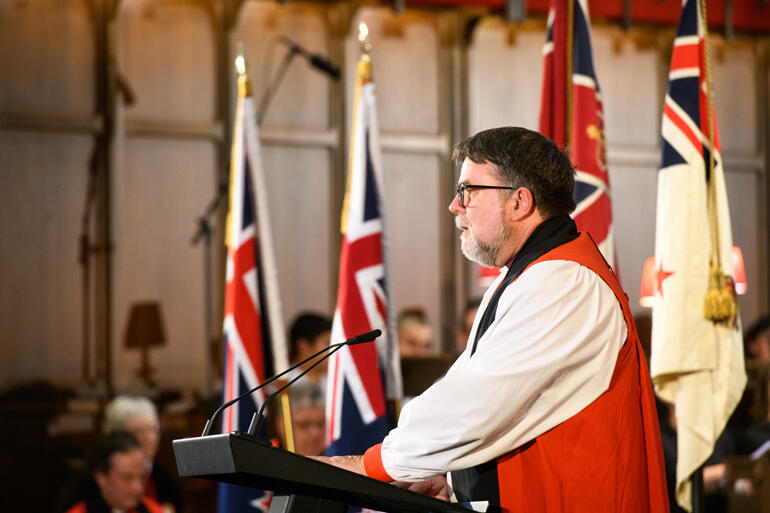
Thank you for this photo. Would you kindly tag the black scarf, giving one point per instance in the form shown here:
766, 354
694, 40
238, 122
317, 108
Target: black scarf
548, 235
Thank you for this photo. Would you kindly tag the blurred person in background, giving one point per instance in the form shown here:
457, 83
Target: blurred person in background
309, 333
415, 336
117, 474
465, 324
308, 419
756, 340
138, 416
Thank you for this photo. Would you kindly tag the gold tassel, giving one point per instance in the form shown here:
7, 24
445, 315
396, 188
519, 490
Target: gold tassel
719, 306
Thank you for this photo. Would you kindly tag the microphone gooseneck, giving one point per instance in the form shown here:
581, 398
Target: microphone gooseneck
358, 339
369, 336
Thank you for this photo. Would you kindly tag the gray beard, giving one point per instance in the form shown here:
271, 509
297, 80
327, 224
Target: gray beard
482, 253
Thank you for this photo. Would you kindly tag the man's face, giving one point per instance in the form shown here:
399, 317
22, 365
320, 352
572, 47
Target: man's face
485, 227
123, 486
415, 339
759, 348
308, 348
309, 425
147, 431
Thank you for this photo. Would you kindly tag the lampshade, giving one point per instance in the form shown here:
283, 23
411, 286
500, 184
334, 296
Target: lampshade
647, 290
739, 271
145, 326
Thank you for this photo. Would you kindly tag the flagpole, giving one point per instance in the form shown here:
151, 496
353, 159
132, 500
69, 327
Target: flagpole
570, 48
244, 91
364, 76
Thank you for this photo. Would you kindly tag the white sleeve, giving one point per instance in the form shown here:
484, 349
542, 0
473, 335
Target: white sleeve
550, 352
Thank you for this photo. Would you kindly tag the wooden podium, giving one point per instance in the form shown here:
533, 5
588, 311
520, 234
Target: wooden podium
300, 484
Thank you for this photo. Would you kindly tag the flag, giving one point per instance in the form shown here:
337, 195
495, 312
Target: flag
571, 114
362, 377
696, 363
254, 341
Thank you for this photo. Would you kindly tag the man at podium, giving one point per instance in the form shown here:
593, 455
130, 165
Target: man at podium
550, 406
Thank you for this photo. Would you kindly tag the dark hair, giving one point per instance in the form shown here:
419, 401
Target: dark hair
525, 158
757, 328
761, 400
114, 442
307, 326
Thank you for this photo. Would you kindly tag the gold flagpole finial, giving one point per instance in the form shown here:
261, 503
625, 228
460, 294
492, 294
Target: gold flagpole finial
365, 63
244, 87
363, 39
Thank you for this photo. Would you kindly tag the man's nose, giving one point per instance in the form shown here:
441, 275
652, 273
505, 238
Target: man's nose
454, 205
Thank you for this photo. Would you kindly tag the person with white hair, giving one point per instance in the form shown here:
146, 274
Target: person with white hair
308, 419
138, 416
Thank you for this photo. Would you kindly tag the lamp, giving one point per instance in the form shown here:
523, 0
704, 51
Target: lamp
739, 271
647, 289
145, 330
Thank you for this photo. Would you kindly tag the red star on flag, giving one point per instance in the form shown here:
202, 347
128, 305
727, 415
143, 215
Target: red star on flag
661, 275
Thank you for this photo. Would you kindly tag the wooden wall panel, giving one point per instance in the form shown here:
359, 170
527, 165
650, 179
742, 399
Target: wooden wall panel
504, 77
634, 203
160, 190
415, 211
629, 83
47, 48
42, 193
744, 212
298, 196
733, 64
47, 65
161, 186
167, 55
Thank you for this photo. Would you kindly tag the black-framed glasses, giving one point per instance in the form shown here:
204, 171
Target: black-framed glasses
466, 188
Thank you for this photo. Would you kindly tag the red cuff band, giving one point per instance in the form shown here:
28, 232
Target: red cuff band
373, 464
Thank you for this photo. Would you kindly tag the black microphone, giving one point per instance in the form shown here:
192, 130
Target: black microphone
358, 339
317, 61
258, 419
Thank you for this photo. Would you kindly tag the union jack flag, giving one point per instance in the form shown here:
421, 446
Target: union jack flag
362, 377
696, 364
587, 143
254, 343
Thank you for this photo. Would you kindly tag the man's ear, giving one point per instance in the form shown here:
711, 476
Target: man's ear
100, 478
522, 203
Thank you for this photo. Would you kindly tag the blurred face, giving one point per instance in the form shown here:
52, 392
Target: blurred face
759, 348
485, 228
147, 431
123, 486
306, 348
415, 339
467, 325
309, 429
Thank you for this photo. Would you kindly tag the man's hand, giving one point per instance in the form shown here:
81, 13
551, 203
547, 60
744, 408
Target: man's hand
436, 487
351, 463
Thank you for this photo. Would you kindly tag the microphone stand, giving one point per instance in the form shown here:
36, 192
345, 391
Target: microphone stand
203, 233
272, 87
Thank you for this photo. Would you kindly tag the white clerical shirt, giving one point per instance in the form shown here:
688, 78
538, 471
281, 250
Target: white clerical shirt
549, 353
